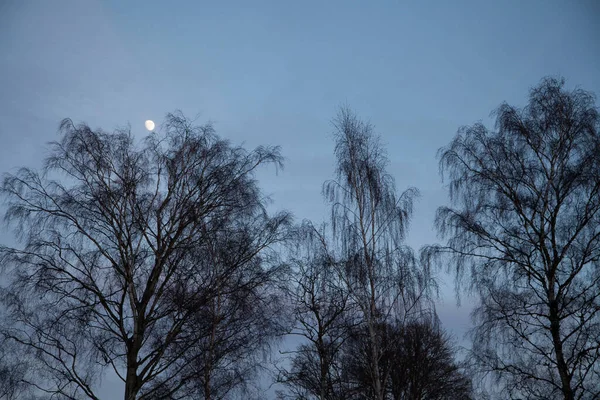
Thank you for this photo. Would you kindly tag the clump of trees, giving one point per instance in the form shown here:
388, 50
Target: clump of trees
158, 260
362, 294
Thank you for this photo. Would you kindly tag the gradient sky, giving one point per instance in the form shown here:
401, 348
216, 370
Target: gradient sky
275, 73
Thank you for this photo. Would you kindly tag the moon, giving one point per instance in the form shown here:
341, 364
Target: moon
149, 125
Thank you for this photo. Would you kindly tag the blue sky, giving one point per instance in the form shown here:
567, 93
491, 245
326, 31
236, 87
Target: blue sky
275, 73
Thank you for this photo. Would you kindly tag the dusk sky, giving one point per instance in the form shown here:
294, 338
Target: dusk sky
274, 73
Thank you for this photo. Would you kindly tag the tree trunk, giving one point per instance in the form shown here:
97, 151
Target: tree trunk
563, 370
207, 393
375, 362
131, 379
323, 370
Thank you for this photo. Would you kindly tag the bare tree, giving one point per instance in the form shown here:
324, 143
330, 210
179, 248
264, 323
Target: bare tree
370, 223
527, 229
322, 320
242, 319
356, 276
116, 260
15, 371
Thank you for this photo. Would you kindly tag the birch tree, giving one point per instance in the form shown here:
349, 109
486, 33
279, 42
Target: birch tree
524, 227
115, 259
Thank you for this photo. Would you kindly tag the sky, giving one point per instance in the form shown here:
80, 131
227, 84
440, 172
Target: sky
275, 73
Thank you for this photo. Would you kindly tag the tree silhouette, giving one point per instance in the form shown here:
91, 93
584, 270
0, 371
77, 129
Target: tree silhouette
123, 253
526, 228
418, 359
355, 274
369, 224
322, 319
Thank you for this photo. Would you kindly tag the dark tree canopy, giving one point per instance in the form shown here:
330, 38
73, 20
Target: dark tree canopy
418, 361
423, 364
128, 248
525, 227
